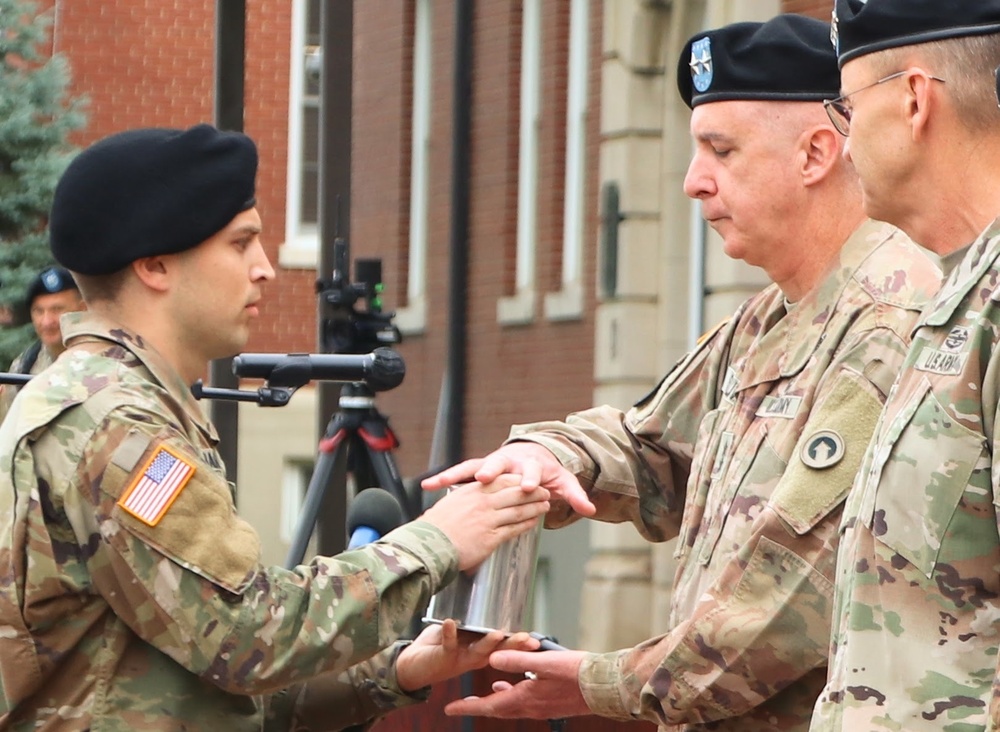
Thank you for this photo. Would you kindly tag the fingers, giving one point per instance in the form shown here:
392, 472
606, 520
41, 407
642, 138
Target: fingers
531, 474
461, 473
449, 635
493, 466
514, 496
508, 531
517, 662
475, 706
519, 642
429, 636
572, 492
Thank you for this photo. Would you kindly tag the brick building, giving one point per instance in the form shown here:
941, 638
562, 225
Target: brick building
573, 107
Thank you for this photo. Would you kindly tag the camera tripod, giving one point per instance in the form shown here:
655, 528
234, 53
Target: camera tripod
359, 435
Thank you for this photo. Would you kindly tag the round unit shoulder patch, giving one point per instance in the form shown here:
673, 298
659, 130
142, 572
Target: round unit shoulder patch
823, 449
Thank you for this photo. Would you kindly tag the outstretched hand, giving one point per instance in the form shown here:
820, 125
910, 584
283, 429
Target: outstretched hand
443, 651
551, 692
478, 518
537, 467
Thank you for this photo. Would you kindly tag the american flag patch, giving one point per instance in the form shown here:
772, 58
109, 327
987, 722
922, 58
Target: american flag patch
153, 491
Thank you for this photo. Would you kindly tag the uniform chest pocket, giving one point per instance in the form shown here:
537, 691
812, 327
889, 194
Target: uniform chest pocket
709, 455
925, 474
741, 493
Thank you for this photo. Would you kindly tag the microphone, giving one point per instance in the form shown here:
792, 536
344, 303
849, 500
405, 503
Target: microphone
381, 370
373, 513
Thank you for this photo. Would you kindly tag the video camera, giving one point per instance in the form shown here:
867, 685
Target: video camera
346, 328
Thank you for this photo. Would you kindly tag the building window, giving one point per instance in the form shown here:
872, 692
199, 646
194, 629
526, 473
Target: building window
520, 307
567, 303
295, 477
301, 245
412, 317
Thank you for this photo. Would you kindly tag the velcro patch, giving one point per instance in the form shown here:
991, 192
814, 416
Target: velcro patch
156, 486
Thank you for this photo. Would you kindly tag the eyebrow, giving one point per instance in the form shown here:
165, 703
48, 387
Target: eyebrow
246, 229
713, 137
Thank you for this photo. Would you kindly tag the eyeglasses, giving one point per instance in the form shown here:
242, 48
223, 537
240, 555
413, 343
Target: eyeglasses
839, 110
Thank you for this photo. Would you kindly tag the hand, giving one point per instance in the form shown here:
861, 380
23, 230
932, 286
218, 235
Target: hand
553, 693
536, 466
443, 651
478, 518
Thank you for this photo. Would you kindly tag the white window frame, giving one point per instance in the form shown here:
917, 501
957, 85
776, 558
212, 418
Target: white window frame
520, 307
295, 476
567, 303
412, 319
301, 246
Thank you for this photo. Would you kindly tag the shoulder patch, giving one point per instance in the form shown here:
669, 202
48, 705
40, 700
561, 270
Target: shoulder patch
823, 449
829, 457
156, 486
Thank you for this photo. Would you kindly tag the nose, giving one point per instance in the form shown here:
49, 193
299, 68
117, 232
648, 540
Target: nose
50, 319
261, 269
697, 182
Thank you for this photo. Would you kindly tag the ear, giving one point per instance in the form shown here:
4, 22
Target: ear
917, 103
820, 146
154, 272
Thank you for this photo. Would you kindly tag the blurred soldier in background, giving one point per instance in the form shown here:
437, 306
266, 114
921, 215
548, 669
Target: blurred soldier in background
52, 293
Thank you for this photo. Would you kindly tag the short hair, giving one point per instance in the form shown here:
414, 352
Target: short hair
101, 288
967, 64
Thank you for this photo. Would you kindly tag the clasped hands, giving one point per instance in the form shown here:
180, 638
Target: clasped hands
549, 688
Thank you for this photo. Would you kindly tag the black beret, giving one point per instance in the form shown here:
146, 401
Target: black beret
788, 58
48, 282
862, 27
149, 191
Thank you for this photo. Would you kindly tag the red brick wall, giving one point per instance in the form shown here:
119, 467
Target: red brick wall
816, 8
516, 373
151, 63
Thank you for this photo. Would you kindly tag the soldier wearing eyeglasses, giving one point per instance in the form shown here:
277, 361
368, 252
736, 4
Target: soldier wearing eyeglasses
917, 615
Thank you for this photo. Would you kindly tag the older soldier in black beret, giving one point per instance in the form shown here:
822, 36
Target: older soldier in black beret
132, 595
917, 638
748, 447
50, 294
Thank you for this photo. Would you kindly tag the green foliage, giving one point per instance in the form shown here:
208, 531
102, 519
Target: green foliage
36, 119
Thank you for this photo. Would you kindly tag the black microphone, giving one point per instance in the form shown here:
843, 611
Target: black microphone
381, 370
372, 514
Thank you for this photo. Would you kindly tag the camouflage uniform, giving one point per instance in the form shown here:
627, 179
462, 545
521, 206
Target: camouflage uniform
113, 620
715, 454
918, 587
9, 391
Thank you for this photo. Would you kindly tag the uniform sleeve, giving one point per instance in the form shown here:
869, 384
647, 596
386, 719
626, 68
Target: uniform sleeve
765, 621
359, 696
187, 578
634, 465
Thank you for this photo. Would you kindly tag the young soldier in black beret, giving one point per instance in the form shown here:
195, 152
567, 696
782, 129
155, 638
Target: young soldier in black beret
916, 639
748, 447
132, 595
52, 293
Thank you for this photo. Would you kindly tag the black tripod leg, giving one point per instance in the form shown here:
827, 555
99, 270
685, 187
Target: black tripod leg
387, 476
318, 482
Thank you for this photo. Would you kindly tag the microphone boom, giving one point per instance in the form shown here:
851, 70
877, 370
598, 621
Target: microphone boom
380, 370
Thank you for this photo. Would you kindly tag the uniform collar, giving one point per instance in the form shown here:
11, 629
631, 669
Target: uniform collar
785, 349
79, 328
978, 259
